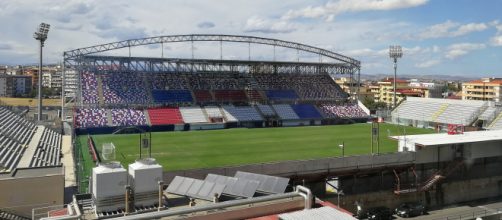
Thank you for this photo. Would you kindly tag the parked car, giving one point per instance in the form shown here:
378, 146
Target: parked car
378, 213
410, 209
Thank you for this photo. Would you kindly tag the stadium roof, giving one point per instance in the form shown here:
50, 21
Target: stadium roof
444, 138
319, 213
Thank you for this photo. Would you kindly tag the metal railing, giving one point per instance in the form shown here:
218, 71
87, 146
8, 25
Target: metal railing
471, 215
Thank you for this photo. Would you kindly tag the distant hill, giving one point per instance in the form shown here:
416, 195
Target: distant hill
375, 77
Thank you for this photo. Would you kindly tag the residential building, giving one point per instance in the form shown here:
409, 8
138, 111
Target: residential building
383, 91
14, 86
488, 89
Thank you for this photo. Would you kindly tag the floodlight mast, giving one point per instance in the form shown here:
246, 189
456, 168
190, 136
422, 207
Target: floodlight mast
41, 36
395, 52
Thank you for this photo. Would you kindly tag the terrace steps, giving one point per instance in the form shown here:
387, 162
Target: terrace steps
441, 110
497, 119
101, 99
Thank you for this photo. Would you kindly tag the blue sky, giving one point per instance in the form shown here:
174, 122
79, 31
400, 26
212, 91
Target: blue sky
453, 37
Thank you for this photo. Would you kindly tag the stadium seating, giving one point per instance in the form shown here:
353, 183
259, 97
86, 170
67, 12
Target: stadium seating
172, 96
87, 118
169, 81
307, 87
439, 110
255, 96
230, 95
266, 110
89, 88
203, 96
165, 116
242, 113
306, 111
213, 112
16, 135
48, 149
285, 112
128, 117
193, 115
125, 88
343, 111
281, 95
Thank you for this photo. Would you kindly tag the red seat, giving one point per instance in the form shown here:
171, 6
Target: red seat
165, 116
230, 95
255, 96
203, 96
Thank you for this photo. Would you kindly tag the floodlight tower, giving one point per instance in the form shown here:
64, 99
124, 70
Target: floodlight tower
395, 52
41, 35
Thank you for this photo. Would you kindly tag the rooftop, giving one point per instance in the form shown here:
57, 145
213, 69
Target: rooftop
444, 138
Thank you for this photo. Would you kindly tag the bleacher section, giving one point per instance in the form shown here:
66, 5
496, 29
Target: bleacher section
343, 111
16, 136
125, 88
128, 117
203, 96
285, 112
230, 96
48, 150
307, 87
243, 113
165, 116
444, 111
282, 95
193, 115
496, 124
306, 111
89, 88
266, 110
86, 118
172, 96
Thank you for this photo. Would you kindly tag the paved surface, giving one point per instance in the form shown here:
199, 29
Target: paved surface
68, 162
462, 212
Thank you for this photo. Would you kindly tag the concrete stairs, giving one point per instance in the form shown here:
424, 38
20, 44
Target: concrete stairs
497, 122
441, 110
109, 117
6, 215
101, 99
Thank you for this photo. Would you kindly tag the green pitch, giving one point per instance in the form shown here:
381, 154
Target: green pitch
229, 147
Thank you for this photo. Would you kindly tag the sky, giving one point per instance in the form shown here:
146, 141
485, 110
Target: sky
447, 37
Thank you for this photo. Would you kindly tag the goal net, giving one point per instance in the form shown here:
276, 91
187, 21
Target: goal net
108, 151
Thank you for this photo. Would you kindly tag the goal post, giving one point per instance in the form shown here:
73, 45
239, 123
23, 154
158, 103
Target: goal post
108, 151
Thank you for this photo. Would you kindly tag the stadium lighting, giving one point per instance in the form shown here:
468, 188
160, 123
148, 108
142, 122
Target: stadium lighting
41, 36
395, 52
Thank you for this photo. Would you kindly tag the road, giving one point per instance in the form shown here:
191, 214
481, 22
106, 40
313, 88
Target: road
462, 212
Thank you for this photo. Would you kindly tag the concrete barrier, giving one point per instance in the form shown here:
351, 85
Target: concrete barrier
304, 167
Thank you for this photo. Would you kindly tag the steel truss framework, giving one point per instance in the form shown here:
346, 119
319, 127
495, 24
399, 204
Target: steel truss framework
86, 59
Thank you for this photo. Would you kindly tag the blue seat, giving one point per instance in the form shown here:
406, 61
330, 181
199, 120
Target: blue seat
306, 111
278, 95
171, 96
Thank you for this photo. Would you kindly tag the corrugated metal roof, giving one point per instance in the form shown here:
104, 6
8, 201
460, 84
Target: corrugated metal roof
317, 214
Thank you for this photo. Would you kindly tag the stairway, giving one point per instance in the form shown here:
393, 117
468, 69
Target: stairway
441, 110
4, 215
433, 180
101, 99
496, 121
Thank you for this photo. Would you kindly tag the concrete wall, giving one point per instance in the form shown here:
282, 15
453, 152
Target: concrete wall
324, 166
444, 194
21, 195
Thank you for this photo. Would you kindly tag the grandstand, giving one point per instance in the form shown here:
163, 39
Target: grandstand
429, 112
24, 144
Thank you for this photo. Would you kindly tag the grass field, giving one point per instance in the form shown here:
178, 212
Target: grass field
216, 148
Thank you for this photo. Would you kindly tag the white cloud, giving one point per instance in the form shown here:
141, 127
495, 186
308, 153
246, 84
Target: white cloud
451, 29
334, 8
456, 50
496, 41
257, 24
469, 28
428, 63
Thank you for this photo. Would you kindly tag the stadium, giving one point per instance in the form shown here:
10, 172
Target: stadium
283, 129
